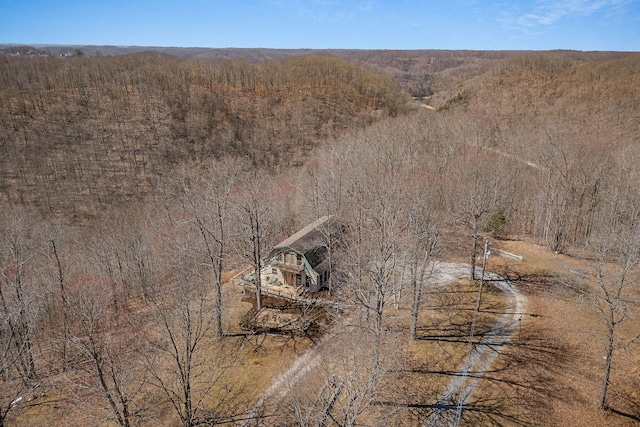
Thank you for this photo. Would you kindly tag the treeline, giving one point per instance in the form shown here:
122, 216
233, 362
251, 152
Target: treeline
571, 120
79, 134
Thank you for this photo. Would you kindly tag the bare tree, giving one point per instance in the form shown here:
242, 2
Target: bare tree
12, 386
205, 199
20, 303
356, 388
325, 194
109, 340
189, 361
342, 389
18, 254
476, 193
612, 306
378, 224
424, 238
570, 180
423, 200
620, 245
255, 204
57, 315
122, 247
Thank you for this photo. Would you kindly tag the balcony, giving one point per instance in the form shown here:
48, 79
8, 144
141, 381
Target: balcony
287, 266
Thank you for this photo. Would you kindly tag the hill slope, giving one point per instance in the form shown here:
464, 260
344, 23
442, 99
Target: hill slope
80, 133
593, 95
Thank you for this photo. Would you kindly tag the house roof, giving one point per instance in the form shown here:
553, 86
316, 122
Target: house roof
307, 239
311, 242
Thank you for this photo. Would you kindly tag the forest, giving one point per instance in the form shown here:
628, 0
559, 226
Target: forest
135, 187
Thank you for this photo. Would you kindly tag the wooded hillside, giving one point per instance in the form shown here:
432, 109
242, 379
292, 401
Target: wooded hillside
595, 94
185, 172
79, 134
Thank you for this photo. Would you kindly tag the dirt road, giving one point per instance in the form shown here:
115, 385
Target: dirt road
449, 407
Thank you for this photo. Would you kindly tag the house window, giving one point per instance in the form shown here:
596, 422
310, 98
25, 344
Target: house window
290, 258
299, 259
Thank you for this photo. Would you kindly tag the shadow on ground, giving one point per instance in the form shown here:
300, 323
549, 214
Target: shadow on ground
515, 391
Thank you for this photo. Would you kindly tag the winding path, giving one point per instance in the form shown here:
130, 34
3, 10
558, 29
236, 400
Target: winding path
283, 382
448, 409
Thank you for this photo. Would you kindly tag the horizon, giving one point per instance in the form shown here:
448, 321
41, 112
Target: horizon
538, 25
61, 45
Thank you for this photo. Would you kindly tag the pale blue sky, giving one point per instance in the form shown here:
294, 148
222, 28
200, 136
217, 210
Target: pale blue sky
358, 24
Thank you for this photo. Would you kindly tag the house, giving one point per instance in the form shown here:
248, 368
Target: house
302, 262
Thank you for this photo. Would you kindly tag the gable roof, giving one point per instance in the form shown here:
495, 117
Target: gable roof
308, 238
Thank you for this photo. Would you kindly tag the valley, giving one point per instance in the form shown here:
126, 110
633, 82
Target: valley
139, 185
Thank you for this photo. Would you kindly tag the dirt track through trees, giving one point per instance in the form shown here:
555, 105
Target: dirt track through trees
283, 382
449, 407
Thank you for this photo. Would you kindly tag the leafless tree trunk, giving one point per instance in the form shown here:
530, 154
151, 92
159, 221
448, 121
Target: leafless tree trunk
620, 244
342, 388
475, 236
205, 199
122, 248
12, 386
571, 177
325, 194
256, 211
475, 192
183, 332
187, 364
59, 300
379, 224
426, 236
108, 339
17, 302
612, 307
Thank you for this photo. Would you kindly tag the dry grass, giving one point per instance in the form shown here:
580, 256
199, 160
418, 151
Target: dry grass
548, 375
241, 366
426, 365
551, 373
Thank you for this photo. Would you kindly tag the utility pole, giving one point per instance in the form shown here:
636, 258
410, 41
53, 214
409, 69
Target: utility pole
484, 265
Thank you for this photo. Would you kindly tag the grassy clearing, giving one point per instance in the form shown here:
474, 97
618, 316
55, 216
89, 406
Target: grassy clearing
550, 374
427, 364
